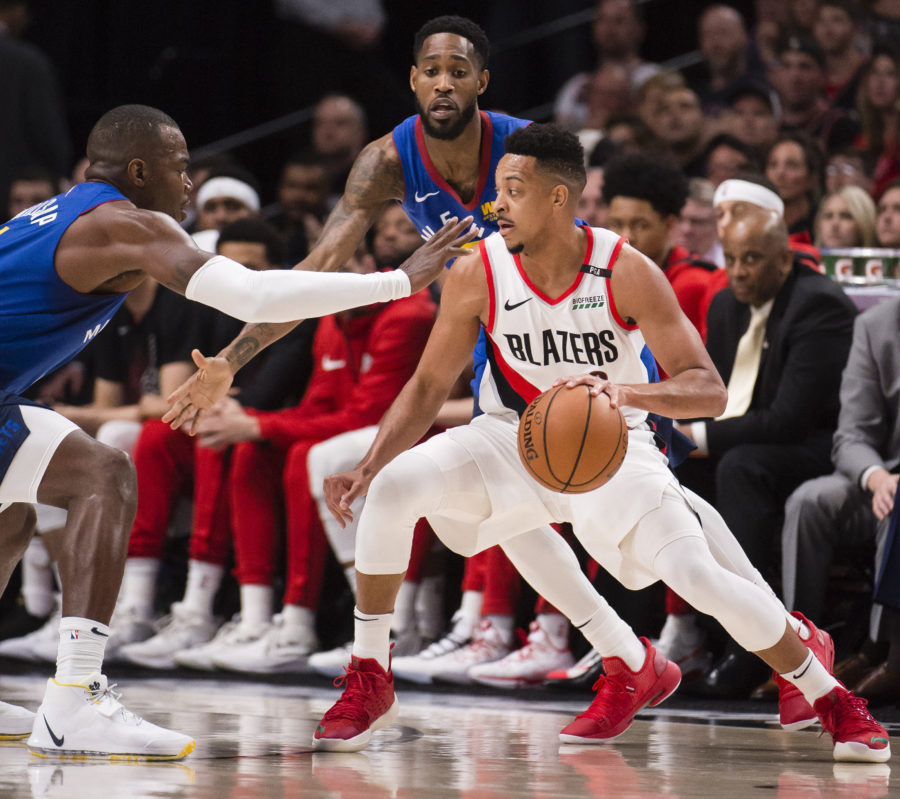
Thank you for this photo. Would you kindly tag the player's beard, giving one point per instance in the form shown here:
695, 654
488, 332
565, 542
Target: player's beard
454, 129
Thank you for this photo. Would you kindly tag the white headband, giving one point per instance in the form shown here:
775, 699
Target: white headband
749, 193
228, 187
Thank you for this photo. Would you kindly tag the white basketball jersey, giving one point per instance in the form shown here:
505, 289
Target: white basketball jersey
533, 339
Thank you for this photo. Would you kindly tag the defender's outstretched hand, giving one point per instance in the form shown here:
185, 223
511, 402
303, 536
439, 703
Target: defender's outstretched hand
426, 263
199, 392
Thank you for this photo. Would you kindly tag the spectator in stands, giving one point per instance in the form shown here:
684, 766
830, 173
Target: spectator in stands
171, 466
852, 506
29, 187
363, 358
800, 80
846, 168
726, 156
728, 57
887, 225
837, 30
627, 132
680, 125
303, 192
846, 218
696, 228
224, 197
592, 208
778, 334
794, 165
751, 115
878, 104
618, 32
339, 132
33, 125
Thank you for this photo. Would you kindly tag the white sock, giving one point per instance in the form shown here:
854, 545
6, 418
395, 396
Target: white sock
297, 617
404, 607
82, 643
203, 580
372, 636
350, 574
612, 637
504, 625
139, 586
256, 605
557, 628
430, 606
37, 579
469, 614
812, 678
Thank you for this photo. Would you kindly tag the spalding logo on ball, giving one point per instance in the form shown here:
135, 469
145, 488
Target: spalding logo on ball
570, 441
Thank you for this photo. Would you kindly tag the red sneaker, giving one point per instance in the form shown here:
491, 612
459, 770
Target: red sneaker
857, 736
621, 693
367, 704
794, 711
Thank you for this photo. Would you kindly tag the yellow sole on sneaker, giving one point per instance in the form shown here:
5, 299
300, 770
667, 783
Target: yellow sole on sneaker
17, 736
130, 758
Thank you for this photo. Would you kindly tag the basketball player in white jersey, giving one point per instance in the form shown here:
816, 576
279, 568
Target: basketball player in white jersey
529, 286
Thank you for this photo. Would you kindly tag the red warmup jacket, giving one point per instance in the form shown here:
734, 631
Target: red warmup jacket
689, 277
360, 364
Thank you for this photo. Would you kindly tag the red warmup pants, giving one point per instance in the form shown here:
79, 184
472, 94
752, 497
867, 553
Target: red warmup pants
263, 480
167, 464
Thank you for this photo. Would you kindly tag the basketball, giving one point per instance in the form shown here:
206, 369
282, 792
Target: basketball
571, 442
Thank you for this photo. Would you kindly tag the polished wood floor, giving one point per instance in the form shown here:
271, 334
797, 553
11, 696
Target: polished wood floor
253, 743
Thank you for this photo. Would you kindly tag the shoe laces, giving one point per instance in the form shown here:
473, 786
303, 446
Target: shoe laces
850, 715
612, 696
107, 697
352, 704
449, 643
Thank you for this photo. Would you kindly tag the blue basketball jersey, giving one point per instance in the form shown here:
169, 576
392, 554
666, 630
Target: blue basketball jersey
429, 200
44, 323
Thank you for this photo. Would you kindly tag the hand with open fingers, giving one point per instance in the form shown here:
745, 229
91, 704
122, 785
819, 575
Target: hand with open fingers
598, 385
200, 391
426, 263
341, 490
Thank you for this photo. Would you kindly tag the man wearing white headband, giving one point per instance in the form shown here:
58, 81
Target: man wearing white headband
778, 333
221, 200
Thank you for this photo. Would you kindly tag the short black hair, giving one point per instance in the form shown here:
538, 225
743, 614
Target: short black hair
450, 23
125, 131
849, 7
644, 177
34, 173
750, 153
305, 157
603, 151
555, 150
256, 231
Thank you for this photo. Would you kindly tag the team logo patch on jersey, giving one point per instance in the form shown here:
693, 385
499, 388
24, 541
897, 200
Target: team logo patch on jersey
584, 303
487, 211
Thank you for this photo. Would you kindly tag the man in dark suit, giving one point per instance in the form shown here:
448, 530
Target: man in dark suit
779, 335
853, 505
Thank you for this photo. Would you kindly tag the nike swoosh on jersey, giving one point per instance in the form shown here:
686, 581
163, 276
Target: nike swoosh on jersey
508, 307
422, 199
329, 365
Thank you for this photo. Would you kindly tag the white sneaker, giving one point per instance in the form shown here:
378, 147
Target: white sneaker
529, 665
128, 626
331, 662
184, 628
281, 649
682, 641
232, 634
40, 645
87, 720
15, 722
419, 668
486, 646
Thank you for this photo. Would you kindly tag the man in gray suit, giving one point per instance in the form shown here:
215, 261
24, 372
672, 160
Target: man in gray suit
853, 505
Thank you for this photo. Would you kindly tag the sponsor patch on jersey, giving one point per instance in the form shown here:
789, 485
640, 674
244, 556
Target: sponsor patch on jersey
584, 303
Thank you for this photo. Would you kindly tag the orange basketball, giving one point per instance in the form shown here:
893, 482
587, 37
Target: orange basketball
571, 442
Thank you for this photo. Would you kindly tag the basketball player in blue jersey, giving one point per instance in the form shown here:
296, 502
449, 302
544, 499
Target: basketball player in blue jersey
65, 267
439, 164
524, 283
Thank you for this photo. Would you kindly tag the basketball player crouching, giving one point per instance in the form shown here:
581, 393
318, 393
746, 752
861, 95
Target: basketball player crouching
472, 487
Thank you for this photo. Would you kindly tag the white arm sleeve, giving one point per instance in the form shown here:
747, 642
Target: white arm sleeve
284, 295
